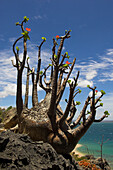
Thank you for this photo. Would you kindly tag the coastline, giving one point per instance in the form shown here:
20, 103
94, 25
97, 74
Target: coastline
76, 152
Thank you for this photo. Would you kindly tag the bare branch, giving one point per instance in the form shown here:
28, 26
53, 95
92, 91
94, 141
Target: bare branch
97, 100
13, 63
72, 114
16, 55
60, 92
24, 55
102, 118
82, 113
39, 60
49, 82
67, 35
63, 58
66, 113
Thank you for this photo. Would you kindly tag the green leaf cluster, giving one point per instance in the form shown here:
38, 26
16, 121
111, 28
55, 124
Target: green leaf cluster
106, 113
10, 107
17, 48
43, 38
17, 23
26, 36
88, 112
69, 81
78, 103
26, 19
80, 90
50, 65
103, 92
55, 56
66, 66
88, 86
67, 56
101, 104
41, 72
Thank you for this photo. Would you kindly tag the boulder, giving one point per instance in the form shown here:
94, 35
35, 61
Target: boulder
10, 119
103, 164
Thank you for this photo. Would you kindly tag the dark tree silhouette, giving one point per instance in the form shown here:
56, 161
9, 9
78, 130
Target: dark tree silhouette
45, 120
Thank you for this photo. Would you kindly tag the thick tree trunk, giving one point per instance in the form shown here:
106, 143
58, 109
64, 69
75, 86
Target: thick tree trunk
34, 94
27, 91
52, 109
19, 100
82, 129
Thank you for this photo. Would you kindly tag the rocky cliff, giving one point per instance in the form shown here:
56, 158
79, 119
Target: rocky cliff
18, 151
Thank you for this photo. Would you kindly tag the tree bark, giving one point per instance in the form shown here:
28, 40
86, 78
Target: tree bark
19, 100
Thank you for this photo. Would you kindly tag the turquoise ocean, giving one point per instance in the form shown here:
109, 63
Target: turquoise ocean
92, 139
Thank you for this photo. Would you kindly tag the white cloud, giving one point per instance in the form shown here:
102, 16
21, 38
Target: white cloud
84, 83
37, 17
102, 69
91, 74
10, 89
12, 39
110, 52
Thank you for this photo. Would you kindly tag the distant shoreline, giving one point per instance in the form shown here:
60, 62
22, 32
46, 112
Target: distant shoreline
76, 152
107, 121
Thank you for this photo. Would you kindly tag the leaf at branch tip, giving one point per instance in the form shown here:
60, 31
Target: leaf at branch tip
80, 91
50, 65
25, 34
106, 113
17, 48
69, 81
88, 112
17, 23
78, 103
67, 56
88, 86
41, 72
67, 53
27, 58
43, 38
26, 19
103, 92
55, 56
65, 100
66, 65
65, 31
101, 104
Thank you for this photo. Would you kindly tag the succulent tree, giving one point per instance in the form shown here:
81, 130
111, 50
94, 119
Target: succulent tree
20, 65
45, 120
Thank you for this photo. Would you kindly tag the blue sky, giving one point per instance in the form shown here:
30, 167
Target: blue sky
91, 42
